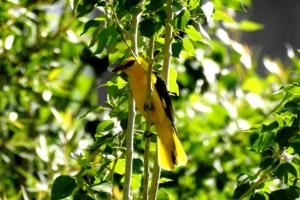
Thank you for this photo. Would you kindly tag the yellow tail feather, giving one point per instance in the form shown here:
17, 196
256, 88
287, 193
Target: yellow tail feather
170, 150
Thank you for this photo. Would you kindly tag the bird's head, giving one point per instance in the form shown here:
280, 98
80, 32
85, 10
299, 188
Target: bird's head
132, 63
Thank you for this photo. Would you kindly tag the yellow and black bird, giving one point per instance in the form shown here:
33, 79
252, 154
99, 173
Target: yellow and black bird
170, 150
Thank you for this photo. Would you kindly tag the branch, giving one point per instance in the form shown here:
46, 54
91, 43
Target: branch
148, 119
131, 118
167, 51
129, 147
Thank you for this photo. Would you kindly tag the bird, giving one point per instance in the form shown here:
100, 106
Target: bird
170, 151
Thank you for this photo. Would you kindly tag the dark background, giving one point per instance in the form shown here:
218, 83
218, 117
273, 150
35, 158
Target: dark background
281, 20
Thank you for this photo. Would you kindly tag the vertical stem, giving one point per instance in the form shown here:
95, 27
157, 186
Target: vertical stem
131, 119
129, 147
167, 51
135, 23
148, 119
155, 180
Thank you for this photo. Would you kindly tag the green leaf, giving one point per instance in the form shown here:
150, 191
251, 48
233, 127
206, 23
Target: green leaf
284, 170
193, 4
284, 134
176, 48
103, 187
220, 15
173, 86
101, 140
279, 195
258, 196
85, 7
165, 180
253, 84
265, 141
193, 33
188, 45
90, 24
240, 190
136, 181
82, 196
250, 26
121, 83
92, 109
296, 147
270, 127
293, 192
104, 126
120, 166
164, 194
63, 187
155, 5
148, 27
293, 105
105, 36
137, 166
267, 162
182, 19
242, 178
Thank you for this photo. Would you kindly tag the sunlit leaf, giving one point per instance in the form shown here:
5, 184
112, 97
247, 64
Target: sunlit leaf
250, 26
220, 15
173, 86
120, 166
188, 45
193, 33
136, 181
253, 84
183, 19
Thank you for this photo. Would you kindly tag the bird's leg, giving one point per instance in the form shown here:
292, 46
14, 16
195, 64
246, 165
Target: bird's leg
148, 107
147, 134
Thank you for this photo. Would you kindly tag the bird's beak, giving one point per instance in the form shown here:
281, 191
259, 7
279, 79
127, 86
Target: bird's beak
118, 68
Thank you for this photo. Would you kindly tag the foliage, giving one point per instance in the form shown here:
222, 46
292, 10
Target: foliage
240, 130
42, 68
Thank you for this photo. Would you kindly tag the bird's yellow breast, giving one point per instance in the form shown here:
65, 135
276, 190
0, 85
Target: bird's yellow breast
139, 92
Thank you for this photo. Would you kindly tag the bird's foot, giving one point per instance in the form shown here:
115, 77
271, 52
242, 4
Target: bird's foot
147, 134
148, 107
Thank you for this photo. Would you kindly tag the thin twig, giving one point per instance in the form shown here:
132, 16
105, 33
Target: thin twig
167, 51
131, 117
129, 147
134, 51
155, 180
148, 119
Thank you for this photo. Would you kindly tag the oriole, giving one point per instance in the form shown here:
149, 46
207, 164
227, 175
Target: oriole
170, 150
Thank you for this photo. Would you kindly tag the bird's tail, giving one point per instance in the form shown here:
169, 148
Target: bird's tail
170, 150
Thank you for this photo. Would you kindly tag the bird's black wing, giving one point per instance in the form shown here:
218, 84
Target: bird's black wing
163, 93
